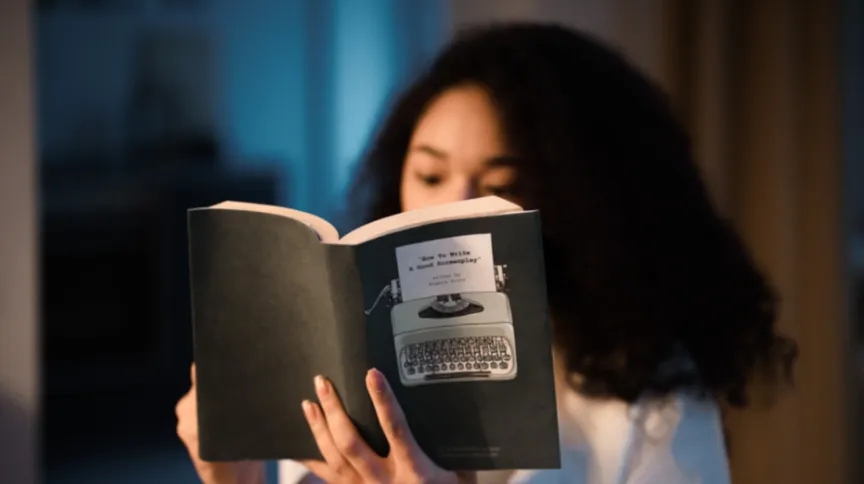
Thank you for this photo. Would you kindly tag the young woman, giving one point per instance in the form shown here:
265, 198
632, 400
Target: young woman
660, 318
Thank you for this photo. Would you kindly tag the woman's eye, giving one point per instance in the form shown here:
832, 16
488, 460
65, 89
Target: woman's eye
430, 180
500, 191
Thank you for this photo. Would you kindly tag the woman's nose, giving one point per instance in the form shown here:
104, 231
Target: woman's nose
458, 190
467, 190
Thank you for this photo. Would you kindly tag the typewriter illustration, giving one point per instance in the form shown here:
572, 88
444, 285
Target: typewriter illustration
454, 337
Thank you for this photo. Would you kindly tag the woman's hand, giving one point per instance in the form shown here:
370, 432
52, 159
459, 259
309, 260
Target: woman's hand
211, 472
348, 459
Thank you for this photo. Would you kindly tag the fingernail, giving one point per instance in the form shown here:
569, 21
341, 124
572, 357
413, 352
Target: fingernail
376, 381
308, 409
321, 385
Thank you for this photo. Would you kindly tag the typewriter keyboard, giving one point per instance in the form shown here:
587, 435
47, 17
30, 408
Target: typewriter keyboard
469, 357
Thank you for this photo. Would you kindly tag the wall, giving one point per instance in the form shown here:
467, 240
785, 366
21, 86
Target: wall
379, 45
852, 61
19, 382
297, 83
255, 89
84, 65
635, 27
264, 57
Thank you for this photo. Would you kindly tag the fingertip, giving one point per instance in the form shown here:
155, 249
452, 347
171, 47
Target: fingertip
322, 385
309, 410
376, 381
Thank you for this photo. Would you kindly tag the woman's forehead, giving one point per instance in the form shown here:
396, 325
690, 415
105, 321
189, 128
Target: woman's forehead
460, 123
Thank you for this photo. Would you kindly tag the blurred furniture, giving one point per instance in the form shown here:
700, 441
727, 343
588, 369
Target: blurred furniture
116, 329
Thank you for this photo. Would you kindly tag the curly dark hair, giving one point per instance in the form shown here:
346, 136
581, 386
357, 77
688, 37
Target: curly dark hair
641, 269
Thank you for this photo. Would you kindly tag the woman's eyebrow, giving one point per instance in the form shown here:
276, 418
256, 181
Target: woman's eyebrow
502, 161
491, 162
431, 151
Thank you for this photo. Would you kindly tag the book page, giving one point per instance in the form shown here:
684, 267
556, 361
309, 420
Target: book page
446, 266
476, 207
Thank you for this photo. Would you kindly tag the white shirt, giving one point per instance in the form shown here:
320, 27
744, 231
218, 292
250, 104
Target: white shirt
672, 441
677, 440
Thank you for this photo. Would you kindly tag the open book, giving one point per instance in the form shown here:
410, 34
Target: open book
448, 302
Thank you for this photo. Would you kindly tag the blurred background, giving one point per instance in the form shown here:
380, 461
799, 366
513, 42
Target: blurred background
118, 115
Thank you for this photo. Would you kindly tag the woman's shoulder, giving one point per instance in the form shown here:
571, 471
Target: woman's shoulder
681, 436
674, 439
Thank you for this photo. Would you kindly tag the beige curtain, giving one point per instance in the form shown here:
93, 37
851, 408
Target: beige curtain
757, 81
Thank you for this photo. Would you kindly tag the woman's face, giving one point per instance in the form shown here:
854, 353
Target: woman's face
457, 152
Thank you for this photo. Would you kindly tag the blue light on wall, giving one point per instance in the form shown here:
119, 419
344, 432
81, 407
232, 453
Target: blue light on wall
306, 82
264, 83
365, 72
378, 44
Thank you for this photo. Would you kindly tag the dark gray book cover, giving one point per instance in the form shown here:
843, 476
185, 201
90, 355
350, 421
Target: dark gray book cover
454, 314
